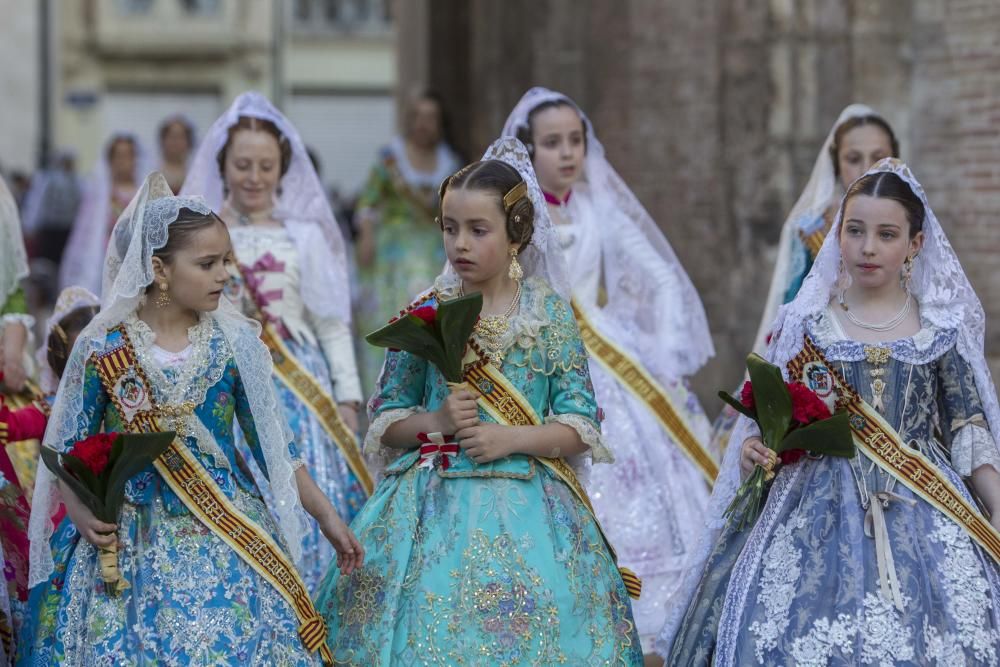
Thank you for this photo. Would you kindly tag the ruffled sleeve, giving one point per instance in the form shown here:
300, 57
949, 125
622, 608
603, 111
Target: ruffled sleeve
15, 309
571, 392
962, 419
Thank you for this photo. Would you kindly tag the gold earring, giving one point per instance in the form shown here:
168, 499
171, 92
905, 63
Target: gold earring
515, 272
907, 274
163, 299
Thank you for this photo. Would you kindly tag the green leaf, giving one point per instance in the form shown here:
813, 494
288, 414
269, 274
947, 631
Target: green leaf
737, 405
773, 403
830, 436
138, 450
456, 319
50, 458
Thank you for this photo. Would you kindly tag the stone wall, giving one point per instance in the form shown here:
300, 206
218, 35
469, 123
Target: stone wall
714, 110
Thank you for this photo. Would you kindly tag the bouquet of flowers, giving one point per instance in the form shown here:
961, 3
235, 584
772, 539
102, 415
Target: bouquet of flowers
437, 331
96, 470
792, 419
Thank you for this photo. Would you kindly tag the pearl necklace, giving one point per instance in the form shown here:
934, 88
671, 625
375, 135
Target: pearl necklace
884, 326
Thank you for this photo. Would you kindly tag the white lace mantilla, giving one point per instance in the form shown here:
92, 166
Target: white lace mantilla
197, 371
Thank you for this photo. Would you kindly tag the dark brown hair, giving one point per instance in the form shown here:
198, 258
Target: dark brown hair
525, 133
860, 121
120, 139
180, 231
498, 178
887, 185
70, 325
177, 120
256, 125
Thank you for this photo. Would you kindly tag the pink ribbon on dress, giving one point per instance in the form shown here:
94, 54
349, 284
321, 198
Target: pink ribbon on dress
436, 448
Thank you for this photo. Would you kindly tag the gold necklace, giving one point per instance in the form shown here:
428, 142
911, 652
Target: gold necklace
491, 329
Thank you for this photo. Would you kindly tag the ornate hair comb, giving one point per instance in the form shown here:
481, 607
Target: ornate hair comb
514, 195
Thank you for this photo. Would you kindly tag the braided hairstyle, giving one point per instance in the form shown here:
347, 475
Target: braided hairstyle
498, 178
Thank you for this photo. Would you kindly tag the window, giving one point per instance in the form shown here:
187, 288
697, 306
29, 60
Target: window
200, 6
372, 17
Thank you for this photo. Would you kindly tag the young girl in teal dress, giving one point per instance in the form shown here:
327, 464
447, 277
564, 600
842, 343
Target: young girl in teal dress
195, 594
490, 556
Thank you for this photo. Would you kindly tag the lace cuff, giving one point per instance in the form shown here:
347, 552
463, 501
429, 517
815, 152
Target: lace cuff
377, 455
589, 432
11, 318
973, 446
296, 464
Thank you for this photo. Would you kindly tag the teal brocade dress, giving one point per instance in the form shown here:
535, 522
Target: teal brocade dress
494, 564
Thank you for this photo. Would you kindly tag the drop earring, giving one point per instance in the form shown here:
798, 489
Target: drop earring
162, 299
515, 272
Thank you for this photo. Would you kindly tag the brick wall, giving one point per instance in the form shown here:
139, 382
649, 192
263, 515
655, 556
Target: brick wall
714, 110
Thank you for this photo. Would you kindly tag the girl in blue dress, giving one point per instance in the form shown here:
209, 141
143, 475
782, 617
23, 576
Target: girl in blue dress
192, 597
489, 555
889, 557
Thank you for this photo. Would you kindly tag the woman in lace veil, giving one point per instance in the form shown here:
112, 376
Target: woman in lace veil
485, 549
114, 181
163, 282
398, 245
177, 142
292, 274
630, 286
846, 562
858, 139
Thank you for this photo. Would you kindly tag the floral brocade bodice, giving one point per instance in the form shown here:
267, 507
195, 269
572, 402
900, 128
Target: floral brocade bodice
208, 379
543, 357
921, 385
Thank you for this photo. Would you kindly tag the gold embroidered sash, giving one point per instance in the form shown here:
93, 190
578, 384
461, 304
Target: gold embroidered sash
504, 402
643, 386
128, 389
882, 444
309, 391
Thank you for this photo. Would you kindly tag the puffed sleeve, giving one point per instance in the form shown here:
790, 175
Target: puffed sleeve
962, 417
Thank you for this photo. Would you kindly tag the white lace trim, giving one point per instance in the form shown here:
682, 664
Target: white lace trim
968, 593
777, 586
817, 647
377, 455
972, 446
884, 638
13, 318
589, 432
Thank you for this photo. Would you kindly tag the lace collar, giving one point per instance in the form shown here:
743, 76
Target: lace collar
189, 380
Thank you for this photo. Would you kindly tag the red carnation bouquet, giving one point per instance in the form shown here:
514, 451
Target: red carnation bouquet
437, 331
96, 470
792, 419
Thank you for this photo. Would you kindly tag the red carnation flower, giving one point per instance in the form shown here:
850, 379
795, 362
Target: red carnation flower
746, 396
807, 407
426, 313
95, 451
791, 456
